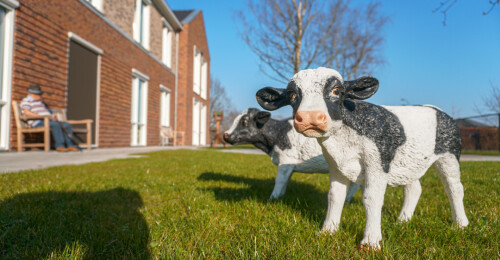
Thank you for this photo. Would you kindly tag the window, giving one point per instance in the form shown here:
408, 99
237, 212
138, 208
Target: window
6, 46
196, 71
164, 106
141, 23
200, 74
167, 45
196, 122
96, 3
199, 123
139, 109
204, 79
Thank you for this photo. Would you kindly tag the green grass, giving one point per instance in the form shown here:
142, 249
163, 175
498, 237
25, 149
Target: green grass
496, 153
208, 204
238, 146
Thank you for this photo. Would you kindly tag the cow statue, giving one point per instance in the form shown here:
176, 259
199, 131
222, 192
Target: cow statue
289, 150
371, 145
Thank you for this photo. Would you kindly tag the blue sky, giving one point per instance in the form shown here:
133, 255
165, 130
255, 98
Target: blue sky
427, 63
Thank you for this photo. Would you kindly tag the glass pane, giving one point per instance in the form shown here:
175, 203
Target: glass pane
139, 99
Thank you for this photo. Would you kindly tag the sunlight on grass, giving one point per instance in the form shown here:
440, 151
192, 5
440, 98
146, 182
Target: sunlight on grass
208, 204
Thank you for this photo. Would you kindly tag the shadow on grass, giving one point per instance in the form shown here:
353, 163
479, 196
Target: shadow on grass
302, 197
105, 224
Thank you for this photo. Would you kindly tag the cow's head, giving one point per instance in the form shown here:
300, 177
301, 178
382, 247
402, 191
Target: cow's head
317, 97
247, 127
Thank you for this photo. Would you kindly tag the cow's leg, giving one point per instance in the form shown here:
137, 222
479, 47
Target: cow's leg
412, 193
284, 173
448, 169
373, 199
336, 198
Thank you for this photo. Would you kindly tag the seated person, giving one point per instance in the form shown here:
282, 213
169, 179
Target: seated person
33, 105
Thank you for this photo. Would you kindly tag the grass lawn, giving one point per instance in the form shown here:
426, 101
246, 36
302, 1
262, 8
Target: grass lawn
209, 204
495, 153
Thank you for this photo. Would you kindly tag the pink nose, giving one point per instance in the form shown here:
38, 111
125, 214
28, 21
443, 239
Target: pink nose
226, 135
314, 119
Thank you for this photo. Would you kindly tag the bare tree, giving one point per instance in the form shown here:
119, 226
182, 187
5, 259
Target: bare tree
492, 102
220, 102
355, 42
445, 6
290, 35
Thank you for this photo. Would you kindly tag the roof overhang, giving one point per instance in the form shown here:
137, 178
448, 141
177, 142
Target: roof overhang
168, 14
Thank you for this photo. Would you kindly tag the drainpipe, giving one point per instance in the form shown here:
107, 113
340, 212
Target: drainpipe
176, 78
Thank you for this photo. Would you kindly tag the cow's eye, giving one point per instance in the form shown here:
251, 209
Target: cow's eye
244, 122
336, 92
291, 95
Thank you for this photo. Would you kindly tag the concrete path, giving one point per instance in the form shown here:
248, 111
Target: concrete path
15, 161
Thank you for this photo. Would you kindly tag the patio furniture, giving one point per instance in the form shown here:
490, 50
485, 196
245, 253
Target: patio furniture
167, 133
23, 128
86, 129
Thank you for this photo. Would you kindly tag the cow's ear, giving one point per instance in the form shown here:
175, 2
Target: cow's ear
272, 98
262, 117
361, 88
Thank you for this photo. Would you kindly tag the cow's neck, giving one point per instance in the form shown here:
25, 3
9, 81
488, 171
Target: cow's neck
274, 132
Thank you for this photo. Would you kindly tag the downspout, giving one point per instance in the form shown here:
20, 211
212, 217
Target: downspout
176, 78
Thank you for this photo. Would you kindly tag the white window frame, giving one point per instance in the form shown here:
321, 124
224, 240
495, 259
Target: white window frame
203, 124
139, 109
204, 78
197, 71
141, 22
6, 83
196, 122
96, 3
166, 53
165, 106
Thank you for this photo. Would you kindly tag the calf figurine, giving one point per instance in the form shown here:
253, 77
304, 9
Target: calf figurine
371, 145
289, 150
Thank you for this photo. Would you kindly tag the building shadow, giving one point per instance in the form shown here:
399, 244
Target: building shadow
301, 197
96, 225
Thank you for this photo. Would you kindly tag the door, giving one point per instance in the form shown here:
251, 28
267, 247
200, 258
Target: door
82, 86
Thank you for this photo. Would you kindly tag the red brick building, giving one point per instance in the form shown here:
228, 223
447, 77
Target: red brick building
130, 65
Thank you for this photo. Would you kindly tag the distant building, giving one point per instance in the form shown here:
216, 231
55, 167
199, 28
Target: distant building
130, 65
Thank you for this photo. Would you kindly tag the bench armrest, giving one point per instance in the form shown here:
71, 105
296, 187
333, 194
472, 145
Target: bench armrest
83, 121
34, 117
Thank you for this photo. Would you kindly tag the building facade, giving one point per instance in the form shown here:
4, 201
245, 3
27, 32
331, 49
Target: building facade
121, 63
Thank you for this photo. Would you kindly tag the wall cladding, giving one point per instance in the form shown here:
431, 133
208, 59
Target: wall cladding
41, 56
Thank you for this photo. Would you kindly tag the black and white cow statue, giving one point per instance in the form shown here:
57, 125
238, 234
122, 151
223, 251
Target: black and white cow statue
289, 150
371, 145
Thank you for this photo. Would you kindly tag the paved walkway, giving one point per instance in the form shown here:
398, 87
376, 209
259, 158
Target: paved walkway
14, 161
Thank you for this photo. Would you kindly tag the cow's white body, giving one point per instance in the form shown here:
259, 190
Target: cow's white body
321, 111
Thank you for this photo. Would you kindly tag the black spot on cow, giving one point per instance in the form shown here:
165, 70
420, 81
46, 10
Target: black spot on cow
447, 135
258, 128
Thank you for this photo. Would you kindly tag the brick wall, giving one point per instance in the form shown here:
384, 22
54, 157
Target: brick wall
193, 34
41, 47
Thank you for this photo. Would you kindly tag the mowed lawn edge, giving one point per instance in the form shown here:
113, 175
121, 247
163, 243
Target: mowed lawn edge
205, 203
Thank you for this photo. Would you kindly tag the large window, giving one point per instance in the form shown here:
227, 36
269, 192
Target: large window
197, 71
200, 74
6, 43
199, 123
139, 109
167, 44
204, 71
165, 106
141, 22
